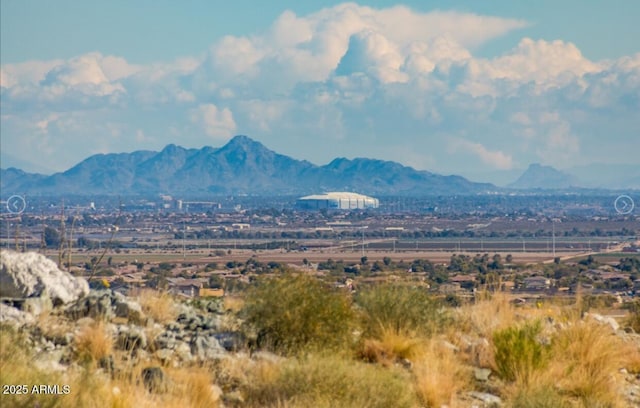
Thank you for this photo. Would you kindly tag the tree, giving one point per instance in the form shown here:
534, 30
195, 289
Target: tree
51, 237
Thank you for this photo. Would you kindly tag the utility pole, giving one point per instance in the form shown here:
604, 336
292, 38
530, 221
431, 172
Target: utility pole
553, 224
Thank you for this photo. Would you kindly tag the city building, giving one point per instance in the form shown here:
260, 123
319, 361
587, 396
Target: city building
337, 201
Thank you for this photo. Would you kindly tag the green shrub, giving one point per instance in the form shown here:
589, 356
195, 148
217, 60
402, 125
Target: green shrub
518, 353
294, 313
331, 381
539, 397
401, 309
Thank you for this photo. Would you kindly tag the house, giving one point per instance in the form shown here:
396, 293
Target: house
185, 287
467, 282
536, 283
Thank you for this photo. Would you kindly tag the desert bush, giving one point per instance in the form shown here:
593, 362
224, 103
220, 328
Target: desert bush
328, 381
543, 396
518, 353
400, 309
294, 313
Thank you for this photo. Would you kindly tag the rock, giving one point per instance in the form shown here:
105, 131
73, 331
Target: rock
131, 338
183, 351
450, 346
482, 374
604, 320
216, 393
166, 340
49, 361
215, 306
233, 398
107, 363
37, 305
206, 348
154, 379
489, 399
164, 355
231, 341
130, 310
61, 339
30, 274
14, 317
97, 304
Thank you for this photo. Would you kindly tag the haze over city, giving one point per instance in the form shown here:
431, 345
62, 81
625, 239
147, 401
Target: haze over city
479, 90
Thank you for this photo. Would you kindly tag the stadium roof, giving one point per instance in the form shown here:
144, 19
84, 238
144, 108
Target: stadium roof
336, 195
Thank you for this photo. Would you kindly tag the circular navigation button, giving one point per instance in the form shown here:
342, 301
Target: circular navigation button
624, 204
16, 204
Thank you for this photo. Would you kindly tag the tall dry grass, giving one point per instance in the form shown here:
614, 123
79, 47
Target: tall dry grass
586, 359
439, 374
158, 305
391, 347
94, 343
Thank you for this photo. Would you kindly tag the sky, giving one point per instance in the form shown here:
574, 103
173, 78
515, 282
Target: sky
480, 89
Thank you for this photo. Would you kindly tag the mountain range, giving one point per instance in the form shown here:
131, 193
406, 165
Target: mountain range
544, 177
245, 166
242, 166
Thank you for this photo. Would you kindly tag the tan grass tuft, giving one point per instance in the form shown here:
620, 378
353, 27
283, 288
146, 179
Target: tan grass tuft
391, 348
485, 316
439, 375
587, 357
160, 306
94, 343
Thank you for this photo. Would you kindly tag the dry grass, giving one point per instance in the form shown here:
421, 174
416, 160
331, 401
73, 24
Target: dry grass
487, 315
193, 388
439, 375
391, 348
93, 343
328, 381
160, 306
233, 303
587, 357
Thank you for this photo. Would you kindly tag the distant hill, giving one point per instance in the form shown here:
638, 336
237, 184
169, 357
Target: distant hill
14, 180
538, 176
242, 166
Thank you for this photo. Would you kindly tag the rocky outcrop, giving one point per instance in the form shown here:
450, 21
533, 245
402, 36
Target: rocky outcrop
27, 275
105, 304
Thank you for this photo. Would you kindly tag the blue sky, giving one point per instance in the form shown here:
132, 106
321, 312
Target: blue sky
468, 87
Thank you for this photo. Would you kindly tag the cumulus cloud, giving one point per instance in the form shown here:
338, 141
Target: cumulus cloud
496, 159
216, 123
390, 83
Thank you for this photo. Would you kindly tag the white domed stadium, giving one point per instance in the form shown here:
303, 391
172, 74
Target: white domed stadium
337, 201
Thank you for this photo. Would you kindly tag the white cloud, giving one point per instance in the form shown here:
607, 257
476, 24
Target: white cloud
216, 123
496, 159
391, 83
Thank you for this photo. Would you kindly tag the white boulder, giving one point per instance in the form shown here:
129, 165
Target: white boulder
30, 274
